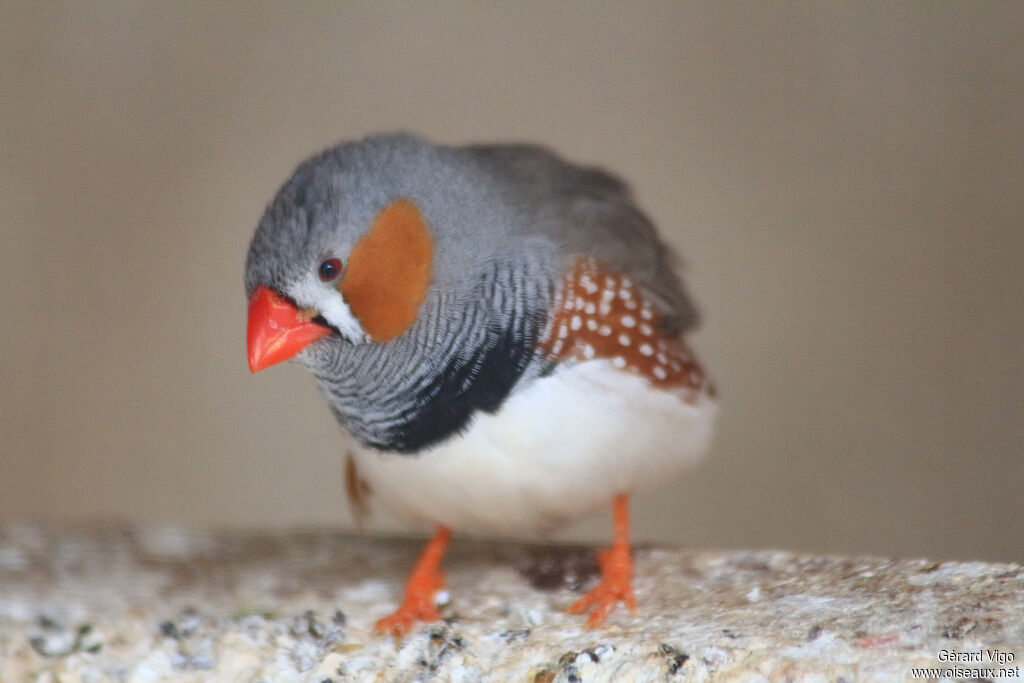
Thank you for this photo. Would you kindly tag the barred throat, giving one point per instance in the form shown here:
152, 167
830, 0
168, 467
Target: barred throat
461, 358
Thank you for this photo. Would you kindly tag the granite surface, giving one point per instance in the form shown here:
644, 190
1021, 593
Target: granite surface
166, 604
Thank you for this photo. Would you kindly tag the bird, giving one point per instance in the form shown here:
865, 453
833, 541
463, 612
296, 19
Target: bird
501, 332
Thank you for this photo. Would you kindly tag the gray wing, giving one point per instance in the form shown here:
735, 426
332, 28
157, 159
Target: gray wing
589, 211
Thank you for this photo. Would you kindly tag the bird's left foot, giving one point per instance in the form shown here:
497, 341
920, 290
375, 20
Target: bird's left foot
616, 584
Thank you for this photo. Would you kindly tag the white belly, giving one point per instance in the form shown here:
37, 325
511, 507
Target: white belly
558, 448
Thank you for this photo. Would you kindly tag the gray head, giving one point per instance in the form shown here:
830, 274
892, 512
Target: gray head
303, 246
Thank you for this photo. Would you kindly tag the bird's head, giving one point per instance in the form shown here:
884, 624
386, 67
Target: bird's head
343, 254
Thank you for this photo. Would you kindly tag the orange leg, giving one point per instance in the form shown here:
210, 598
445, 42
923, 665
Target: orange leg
424, 581
616, 572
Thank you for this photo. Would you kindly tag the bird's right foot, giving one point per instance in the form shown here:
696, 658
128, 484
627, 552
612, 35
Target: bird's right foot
417, 606
424, 582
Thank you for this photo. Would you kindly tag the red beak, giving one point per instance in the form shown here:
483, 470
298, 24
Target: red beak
277, 330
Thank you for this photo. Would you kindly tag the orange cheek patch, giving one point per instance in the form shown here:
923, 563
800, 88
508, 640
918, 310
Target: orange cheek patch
388, 271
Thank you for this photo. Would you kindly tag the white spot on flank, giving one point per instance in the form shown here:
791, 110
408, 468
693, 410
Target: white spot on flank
579, 303
646, 329
590, 308
563, 331
605, 308
591, 324
646, 313
625, 340
589, 287
630, 304
568, 304
646, 349
576, 323
662, 358
604, 331
556, 347
608, 294
619, 362
588, 351
609, 283
625, 294
659, 372
628, 321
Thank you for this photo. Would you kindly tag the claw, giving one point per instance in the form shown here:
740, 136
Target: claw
424, 582
417, 606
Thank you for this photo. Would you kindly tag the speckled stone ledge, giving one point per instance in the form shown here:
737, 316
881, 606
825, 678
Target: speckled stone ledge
99, 604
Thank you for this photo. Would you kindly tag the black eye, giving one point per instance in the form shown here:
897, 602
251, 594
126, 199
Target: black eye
329, 269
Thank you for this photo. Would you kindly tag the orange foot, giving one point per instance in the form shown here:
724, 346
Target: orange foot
616, 584
424, 581
616, 573
417, 606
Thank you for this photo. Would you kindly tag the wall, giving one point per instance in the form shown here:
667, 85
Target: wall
844, 182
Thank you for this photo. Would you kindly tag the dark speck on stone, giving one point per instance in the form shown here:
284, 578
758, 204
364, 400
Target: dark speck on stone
47, 622
38, 644
961, 628
446, 638
814, 632
675, 659
514, 636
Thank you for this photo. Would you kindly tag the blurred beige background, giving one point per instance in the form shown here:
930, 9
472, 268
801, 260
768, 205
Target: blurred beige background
844, 181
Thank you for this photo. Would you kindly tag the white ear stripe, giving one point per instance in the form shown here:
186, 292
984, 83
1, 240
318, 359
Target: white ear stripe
333, 308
